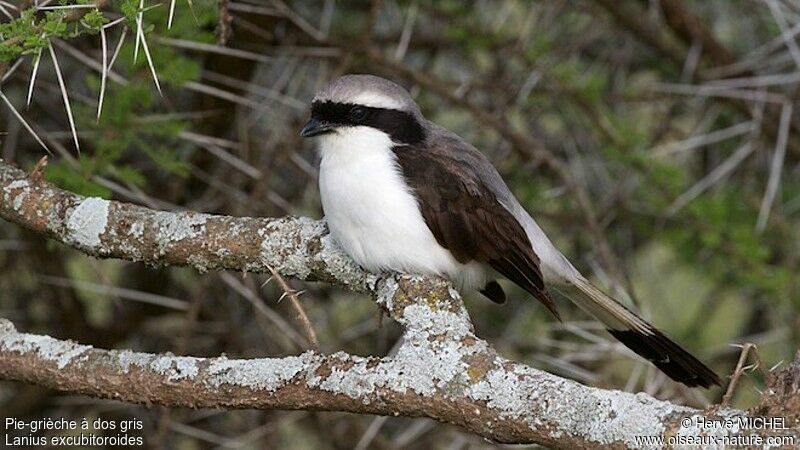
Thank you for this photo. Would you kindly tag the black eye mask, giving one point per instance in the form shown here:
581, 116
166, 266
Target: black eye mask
402, 126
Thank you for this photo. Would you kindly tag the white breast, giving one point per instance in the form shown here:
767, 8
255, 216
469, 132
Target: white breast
372, 213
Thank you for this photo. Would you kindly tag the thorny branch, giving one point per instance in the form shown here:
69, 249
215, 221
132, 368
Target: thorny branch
73, 16
442, 370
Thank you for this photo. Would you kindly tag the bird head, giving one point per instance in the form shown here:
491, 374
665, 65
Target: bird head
365, 103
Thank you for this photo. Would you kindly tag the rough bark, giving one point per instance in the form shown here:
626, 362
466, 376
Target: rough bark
442, 370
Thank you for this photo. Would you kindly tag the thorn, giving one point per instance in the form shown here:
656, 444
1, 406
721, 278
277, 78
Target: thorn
65, 96
194, 14
778, 364
37, 59
149, 60
138, 29
104, 75
22, 121
171, 14
35, 176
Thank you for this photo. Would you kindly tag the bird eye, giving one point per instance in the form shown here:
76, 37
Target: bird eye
357, 113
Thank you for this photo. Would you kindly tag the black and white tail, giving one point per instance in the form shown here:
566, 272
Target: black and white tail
642, 337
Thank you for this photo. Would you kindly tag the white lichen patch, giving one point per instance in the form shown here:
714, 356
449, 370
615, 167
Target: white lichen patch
176, 367
47, 348
285, 242
355, 380
16, 184
360, 381
436, 322
128, 358
87, 223
594, 415
267, 374
136, 230
500, 389
173, 367
6, 327
19, 199
175, 227
597, 415
624, 416
298, 246
426, 368
420, 365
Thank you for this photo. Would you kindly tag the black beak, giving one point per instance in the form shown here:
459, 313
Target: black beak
316, 127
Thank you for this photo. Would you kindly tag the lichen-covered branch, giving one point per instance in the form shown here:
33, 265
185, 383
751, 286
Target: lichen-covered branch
442, 370
295, 247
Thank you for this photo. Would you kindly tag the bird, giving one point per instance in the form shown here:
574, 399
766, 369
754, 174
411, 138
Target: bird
403, 194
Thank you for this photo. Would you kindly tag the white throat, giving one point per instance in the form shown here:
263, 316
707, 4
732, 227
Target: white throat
373, 214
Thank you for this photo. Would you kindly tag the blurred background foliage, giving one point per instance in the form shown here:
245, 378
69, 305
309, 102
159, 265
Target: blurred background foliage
655, 141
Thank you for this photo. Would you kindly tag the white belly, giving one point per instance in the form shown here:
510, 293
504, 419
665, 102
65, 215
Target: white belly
372, 214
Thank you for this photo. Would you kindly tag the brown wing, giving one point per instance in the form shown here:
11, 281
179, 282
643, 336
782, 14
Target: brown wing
466, 218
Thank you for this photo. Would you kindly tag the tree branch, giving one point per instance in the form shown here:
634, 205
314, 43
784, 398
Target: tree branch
295, 247
442, 370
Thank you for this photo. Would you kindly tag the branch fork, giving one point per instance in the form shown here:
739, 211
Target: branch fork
442, 370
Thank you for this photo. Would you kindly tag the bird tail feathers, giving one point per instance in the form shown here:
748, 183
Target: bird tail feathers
642, 337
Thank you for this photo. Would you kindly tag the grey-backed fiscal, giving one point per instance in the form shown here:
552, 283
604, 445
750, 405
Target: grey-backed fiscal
401, 193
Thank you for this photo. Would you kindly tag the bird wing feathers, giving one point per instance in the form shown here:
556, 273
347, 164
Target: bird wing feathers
467, 219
